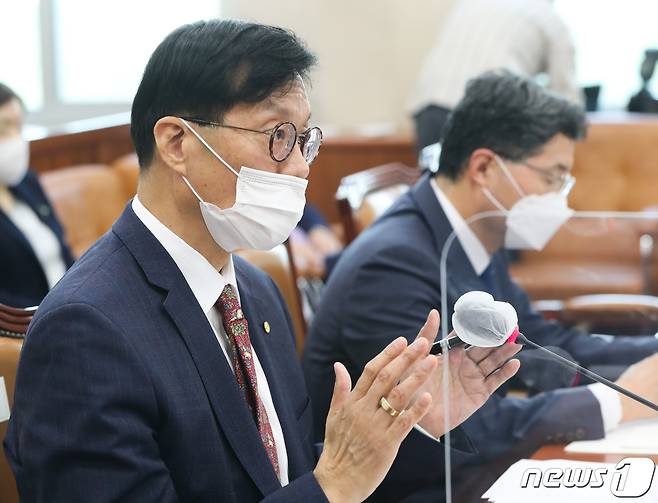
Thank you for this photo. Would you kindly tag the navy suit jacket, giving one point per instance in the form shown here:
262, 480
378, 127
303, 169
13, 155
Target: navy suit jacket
124, 394
384, 286
22, 280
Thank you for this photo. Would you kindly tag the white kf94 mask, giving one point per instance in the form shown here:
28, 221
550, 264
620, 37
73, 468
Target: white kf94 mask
267, 207
533, 220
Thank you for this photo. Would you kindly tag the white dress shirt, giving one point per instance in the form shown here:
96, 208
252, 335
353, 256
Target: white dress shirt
207, 285
42, 239
480, 259
524, 36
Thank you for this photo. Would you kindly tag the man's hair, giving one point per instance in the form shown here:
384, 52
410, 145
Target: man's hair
206, 68
509, 114
7, 94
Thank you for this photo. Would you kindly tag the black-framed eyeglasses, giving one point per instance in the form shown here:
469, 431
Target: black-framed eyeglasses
283, 138
562, 183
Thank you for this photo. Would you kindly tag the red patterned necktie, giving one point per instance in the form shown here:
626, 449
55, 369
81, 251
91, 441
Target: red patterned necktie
237, 330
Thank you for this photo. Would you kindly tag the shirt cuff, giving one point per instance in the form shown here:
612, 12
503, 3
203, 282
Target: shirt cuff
610, 405
428, 434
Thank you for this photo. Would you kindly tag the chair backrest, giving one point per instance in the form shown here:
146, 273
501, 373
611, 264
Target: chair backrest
365, 195
87, 199
278, 263
13, 325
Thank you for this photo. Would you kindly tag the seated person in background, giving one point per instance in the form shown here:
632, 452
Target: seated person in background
162, 368
508, 137
33, 252
314, 246
525, 36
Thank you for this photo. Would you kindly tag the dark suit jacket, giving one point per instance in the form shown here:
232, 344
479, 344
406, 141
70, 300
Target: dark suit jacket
385, 284
124, 394
22, 280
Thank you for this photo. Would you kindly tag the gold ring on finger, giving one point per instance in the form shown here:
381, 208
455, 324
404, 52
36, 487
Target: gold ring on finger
388, 408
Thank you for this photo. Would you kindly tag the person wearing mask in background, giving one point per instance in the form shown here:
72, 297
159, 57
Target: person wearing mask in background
527, 37
34, 254
508, 145
162, 368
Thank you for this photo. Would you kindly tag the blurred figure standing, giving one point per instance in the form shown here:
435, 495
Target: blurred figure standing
524, 36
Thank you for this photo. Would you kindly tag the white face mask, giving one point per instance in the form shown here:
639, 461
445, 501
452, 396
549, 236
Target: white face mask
267, 208
14, 157
533, 220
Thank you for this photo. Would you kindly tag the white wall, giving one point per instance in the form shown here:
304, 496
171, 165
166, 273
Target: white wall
370, 52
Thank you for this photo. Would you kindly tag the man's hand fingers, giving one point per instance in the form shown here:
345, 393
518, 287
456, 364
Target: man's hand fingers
494, 381
342, 388
374, 366
496, 357
400, 396
403, 424
392, 373
479, 354
430, 329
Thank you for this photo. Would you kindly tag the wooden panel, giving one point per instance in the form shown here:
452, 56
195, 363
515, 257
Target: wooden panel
94, 141
340, 157
103, 140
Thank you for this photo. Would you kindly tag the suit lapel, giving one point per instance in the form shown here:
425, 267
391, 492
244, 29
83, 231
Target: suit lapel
461, 277
218, 379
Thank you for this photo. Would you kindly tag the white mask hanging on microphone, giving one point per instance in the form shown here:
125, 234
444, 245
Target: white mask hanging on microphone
267, 207
533, 220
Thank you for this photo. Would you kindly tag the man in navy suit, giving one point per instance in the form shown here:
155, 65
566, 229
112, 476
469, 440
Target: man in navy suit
33, 252
506, 132
162, 368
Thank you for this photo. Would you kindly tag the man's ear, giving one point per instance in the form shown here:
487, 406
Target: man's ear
169, 133
479, 167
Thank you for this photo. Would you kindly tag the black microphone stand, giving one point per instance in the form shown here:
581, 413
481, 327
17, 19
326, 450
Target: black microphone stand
595, 377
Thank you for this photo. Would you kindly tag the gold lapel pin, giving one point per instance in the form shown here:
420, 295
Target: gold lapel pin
266, 327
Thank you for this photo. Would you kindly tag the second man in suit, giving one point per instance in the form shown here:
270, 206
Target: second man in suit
508, 139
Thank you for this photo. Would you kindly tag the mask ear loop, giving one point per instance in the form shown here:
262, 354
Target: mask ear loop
494, 201
509, 176
192, 189
212, 151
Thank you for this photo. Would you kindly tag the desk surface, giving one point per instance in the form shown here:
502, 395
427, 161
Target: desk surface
557, 452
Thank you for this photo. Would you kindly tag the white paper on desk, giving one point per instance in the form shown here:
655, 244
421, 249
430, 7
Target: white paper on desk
638, 437
4, 403
508, 488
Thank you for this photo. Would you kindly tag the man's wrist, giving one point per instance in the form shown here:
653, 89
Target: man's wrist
328, 485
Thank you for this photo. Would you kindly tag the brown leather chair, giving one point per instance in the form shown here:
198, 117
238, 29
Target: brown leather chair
577, 261
615, 171
87, 199
278, 263
362, 197
13, 325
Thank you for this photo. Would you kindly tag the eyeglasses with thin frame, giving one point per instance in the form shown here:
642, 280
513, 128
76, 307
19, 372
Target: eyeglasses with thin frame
283, 138
562, 183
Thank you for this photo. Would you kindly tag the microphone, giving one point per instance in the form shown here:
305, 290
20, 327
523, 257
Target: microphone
449, 343
481, 321
568, 363
538, 372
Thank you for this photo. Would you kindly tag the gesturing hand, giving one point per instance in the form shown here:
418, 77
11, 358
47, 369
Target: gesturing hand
362, 438
474, 373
